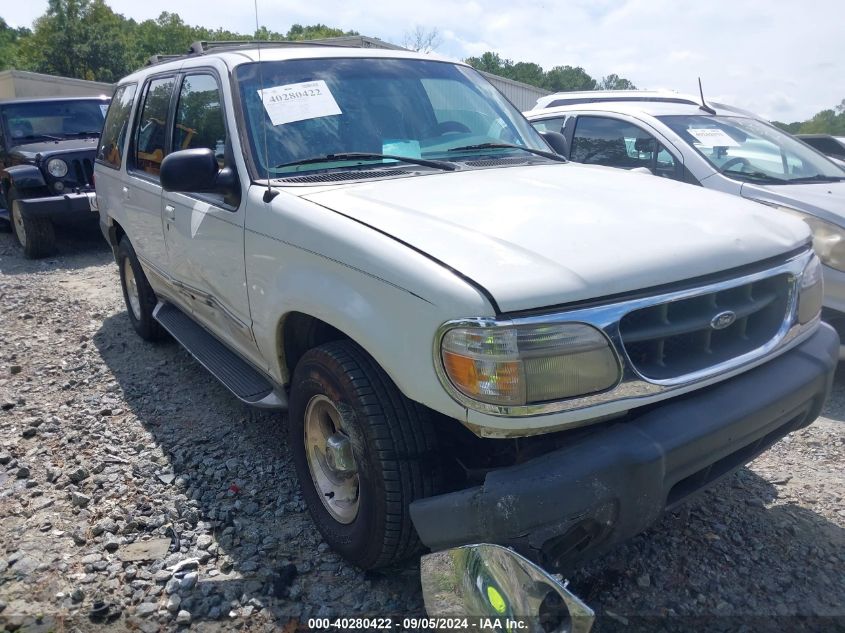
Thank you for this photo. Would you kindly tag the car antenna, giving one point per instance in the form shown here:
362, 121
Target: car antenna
704, 105
270, 193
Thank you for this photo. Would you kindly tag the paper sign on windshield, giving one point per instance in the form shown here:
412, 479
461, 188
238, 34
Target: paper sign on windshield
298, 102
104, 108
712, 137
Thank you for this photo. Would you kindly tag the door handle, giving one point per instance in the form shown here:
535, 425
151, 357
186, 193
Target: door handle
170, 212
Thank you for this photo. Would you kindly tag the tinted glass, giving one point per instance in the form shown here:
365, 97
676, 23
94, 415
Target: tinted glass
603, 141
826, 145
415, 108
110, 151
751, 150
199, 116
550, 125
53, 120
151, 127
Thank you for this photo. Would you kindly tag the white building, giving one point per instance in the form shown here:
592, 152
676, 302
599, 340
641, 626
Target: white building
24, 84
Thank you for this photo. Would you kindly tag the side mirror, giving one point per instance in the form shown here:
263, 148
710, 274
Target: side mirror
496, 585
557, 142
196, 171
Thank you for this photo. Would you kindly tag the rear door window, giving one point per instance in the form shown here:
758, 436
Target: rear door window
151, 129
112, 140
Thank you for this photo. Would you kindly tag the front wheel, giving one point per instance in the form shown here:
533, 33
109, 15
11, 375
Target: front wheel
35, 235
363, 452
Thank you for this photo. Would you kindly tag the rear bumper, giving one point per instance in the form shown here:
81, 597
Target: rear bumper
574, 502
55, 207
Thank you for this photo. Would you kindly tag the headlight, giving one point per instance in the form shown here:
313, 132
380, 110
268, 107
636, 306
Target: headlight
57, 167
828, 238
514, 366
811, 292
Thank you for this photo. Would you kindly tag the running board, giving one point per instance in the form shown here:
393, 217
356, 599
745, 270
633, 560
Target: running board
239, 377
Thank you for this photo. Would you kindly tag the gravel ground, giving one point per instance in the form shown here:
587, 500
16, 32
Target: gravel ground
110, 446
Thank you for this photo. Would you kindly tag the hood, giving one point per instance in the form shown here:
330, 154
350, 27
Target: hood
544, 235
825, 200
66, 146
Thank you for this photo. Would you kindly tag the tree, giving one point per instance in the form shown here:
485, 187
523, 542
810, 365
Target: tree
77, 38
528, 73
10, 39
422, 40
558, 79
567, 78
825, 122
489, 62
315, 32
830, 121
615, 82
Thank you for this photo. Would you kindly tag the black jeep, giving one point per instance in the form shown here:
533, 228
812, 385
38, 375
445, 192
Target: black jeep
47, 149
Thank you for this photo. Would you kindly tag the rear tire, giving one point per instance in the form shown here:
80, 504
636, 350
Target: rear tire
391, 439
35, 235
138, 295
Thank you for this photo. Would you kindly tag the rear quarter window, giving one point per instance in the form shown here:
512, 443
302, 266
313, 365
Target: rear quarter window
112, 140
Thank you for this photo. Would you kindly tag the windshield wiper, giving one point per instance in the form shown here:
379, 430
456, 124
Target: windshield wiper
330, 158
539, 152
84, 133
818, 178
34, 136
753, 175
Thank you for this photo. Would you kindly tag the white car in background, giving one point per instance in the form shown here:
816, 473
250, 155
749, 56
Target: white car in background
714, 146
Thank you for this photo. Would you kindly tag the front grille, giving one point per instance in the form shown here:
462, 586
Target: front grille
82, 170
672, 339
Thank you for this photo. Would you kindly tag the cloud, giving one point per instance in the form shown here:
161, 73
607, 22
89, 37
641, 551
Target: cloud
775, 60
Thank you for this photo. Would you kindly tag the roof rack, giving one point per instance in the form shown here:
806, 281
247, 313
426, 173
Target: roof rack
201, 47
581, 100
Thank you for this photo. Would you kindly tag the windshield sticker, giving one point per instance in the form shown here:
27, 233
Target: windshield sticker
712, 137
402, 147
104, 107
298, 102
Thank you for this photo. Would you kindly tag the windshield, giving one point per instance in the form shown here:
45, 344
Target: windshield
747, 149
312, 108
53, 120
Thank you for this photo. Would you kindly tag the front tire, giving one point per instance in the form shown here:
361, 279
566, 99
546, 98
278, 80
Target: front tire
137, 293
370, 453
35, 235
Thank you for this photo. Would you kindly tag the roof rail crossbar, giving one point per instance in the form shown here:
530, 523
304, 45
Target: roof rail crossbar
201, 47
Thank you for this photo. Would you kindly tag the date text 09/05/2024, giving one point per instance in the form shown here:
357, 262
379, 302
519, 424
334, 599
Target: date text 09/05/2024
414, 623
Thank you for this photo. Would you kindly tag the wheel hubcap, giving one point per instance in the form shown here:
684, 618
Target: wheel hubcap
17, 218
131, 289
331, 460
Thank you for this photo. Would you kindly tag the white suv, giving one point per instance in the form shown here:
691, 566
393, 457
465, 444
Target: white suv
474, 340
717, 147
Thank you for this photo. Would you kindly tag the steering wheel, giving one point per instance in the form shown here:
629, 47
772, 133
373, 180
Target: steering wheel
736, 160
451, 127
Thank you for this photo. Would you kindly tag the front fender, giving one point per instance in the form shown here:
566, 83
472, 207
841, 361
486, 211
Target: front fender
386, 297
23, 177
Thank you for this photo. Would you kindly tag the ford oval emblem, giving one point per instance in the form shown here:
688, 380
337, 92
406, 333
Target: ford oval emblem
723, 320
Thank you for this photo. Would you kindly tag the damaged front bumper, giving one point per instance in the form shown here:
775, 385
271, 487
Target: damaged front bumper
607, 486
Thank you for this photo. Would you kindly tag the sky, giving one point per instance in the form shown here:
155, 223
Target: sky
783, 60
